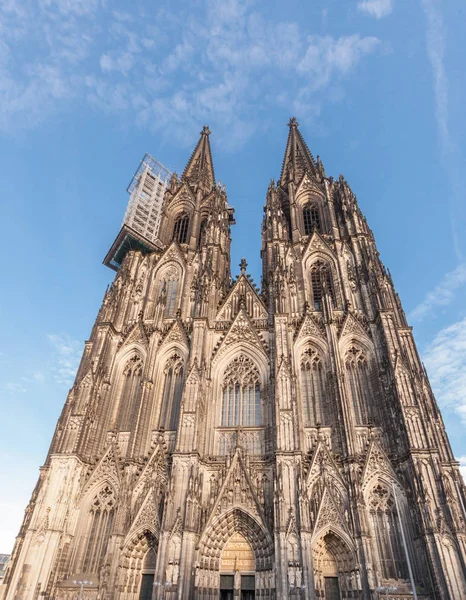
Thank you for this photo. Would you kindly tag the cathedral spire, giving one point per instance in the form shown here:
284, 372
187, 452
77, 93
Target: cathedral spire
298, 158
199, 172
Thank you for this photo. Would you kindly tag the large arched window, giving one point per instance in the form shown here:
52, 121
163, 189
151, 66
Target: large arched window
387, 533
359, 381
130, 393
313, 389
172, 391
311, 218
180, 231
102, 513
321, 281
241, 402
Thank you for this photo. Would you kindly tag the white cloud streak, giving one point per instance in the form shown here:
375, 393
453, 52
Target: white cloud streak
376, 8
445, 359
67, 356
223, 63
442, 295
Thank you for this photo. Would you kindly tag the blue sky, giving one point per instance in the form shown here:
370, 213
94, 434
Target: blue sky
88, 86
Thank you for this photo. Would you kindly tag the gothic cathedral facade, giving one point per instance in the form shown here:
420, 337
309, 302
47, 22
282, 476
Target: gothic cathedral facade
222, 441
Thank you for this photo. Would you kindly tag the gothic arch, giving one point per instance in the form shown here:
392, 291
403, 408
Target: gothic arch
221, 362
362, 385
167, 286
136, 557
220, 530
334, 558
127, 361
325, 257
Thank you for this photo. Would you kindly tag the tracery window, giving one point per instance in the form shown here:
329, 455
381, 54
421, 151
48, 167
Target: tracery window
321, 281
311, 218
241, 402
130, 393
387, 532
169, 293
172, 392
180, 231
313, 388
102, 513
360, 386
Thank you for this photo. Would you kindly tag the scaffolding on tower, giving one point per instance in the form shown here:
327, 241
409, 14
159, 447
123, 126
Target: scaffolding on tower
141, 222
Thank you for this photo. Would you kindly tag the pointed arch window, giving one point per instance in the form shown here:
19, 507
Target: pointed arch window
321, 281
172, 392
169, 287
311, 218
313, 389
101, 522
360, 385
241, 403
180, 231
130, 393
202, 232
387, 533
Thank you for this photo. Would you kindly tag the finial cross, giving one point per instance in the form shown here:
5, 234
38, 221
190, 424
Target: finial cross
243, 266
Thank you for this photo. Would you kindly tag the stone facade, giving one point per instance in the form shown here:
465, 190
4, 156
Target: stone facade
223, 441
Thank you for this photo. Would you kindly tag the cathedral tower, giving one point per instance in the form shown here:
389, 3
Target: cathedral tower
222, 441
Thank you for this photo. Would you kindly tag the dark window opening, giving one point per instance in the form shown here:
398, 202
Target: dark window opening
321, 280
311, 218
180, 231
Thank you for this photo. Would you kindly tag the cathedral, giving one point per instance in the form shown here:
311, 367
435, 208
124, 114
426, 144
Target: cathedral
228, 441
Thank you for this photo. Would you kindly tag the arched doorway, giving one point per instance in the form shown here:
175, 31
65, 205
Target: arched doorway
237, 569
334, 567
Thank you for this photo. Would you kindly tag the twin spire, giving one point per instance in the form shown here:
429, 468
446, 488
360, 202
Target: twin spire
199, 171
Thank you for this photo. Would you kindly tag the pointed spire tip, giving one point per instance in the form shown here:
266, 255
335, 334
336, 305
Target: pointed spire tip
205, 130
293, 122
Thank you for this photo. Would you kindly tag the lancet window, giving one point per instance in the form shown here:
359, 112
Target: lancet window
313, 388
180, 231
102, 513
321, 281
359, 381
172, 392
387, 533
241, 401
169, 293
130, 393
311, 218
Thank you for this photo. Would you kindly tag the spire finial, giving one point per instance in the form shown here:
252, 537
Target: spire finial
243, 266
293, 122
205, 130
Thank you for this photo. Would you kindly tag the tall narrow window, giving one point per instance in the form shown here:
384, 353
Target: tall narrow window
359, 381
130, 394
311, 218
171, 293
386, 527
313, 389
241, 403
202, 232
102, 512
172, 392
321, 281
180, 231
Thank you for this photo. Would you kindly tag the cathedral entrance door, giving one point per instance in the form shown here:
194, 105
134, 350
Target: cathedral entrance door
332, 589
238, 565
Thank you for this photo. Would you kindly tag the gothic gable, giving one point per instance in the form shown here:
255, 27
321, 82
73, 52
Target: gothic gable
322, 466
237, 491
310, 328
308, 186
136, 335
155, 473
147, 518
351, 326
177, 334
329, 515
107, 469
173, 252
377, 463
242, 294
318, 244
241, 331
183, 196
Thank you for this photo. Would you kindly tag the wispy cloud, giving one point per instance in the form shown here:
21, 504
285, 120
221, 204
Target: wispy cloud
445, 359
222, 63
376, 8
442, 295
67, 356
436, 38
